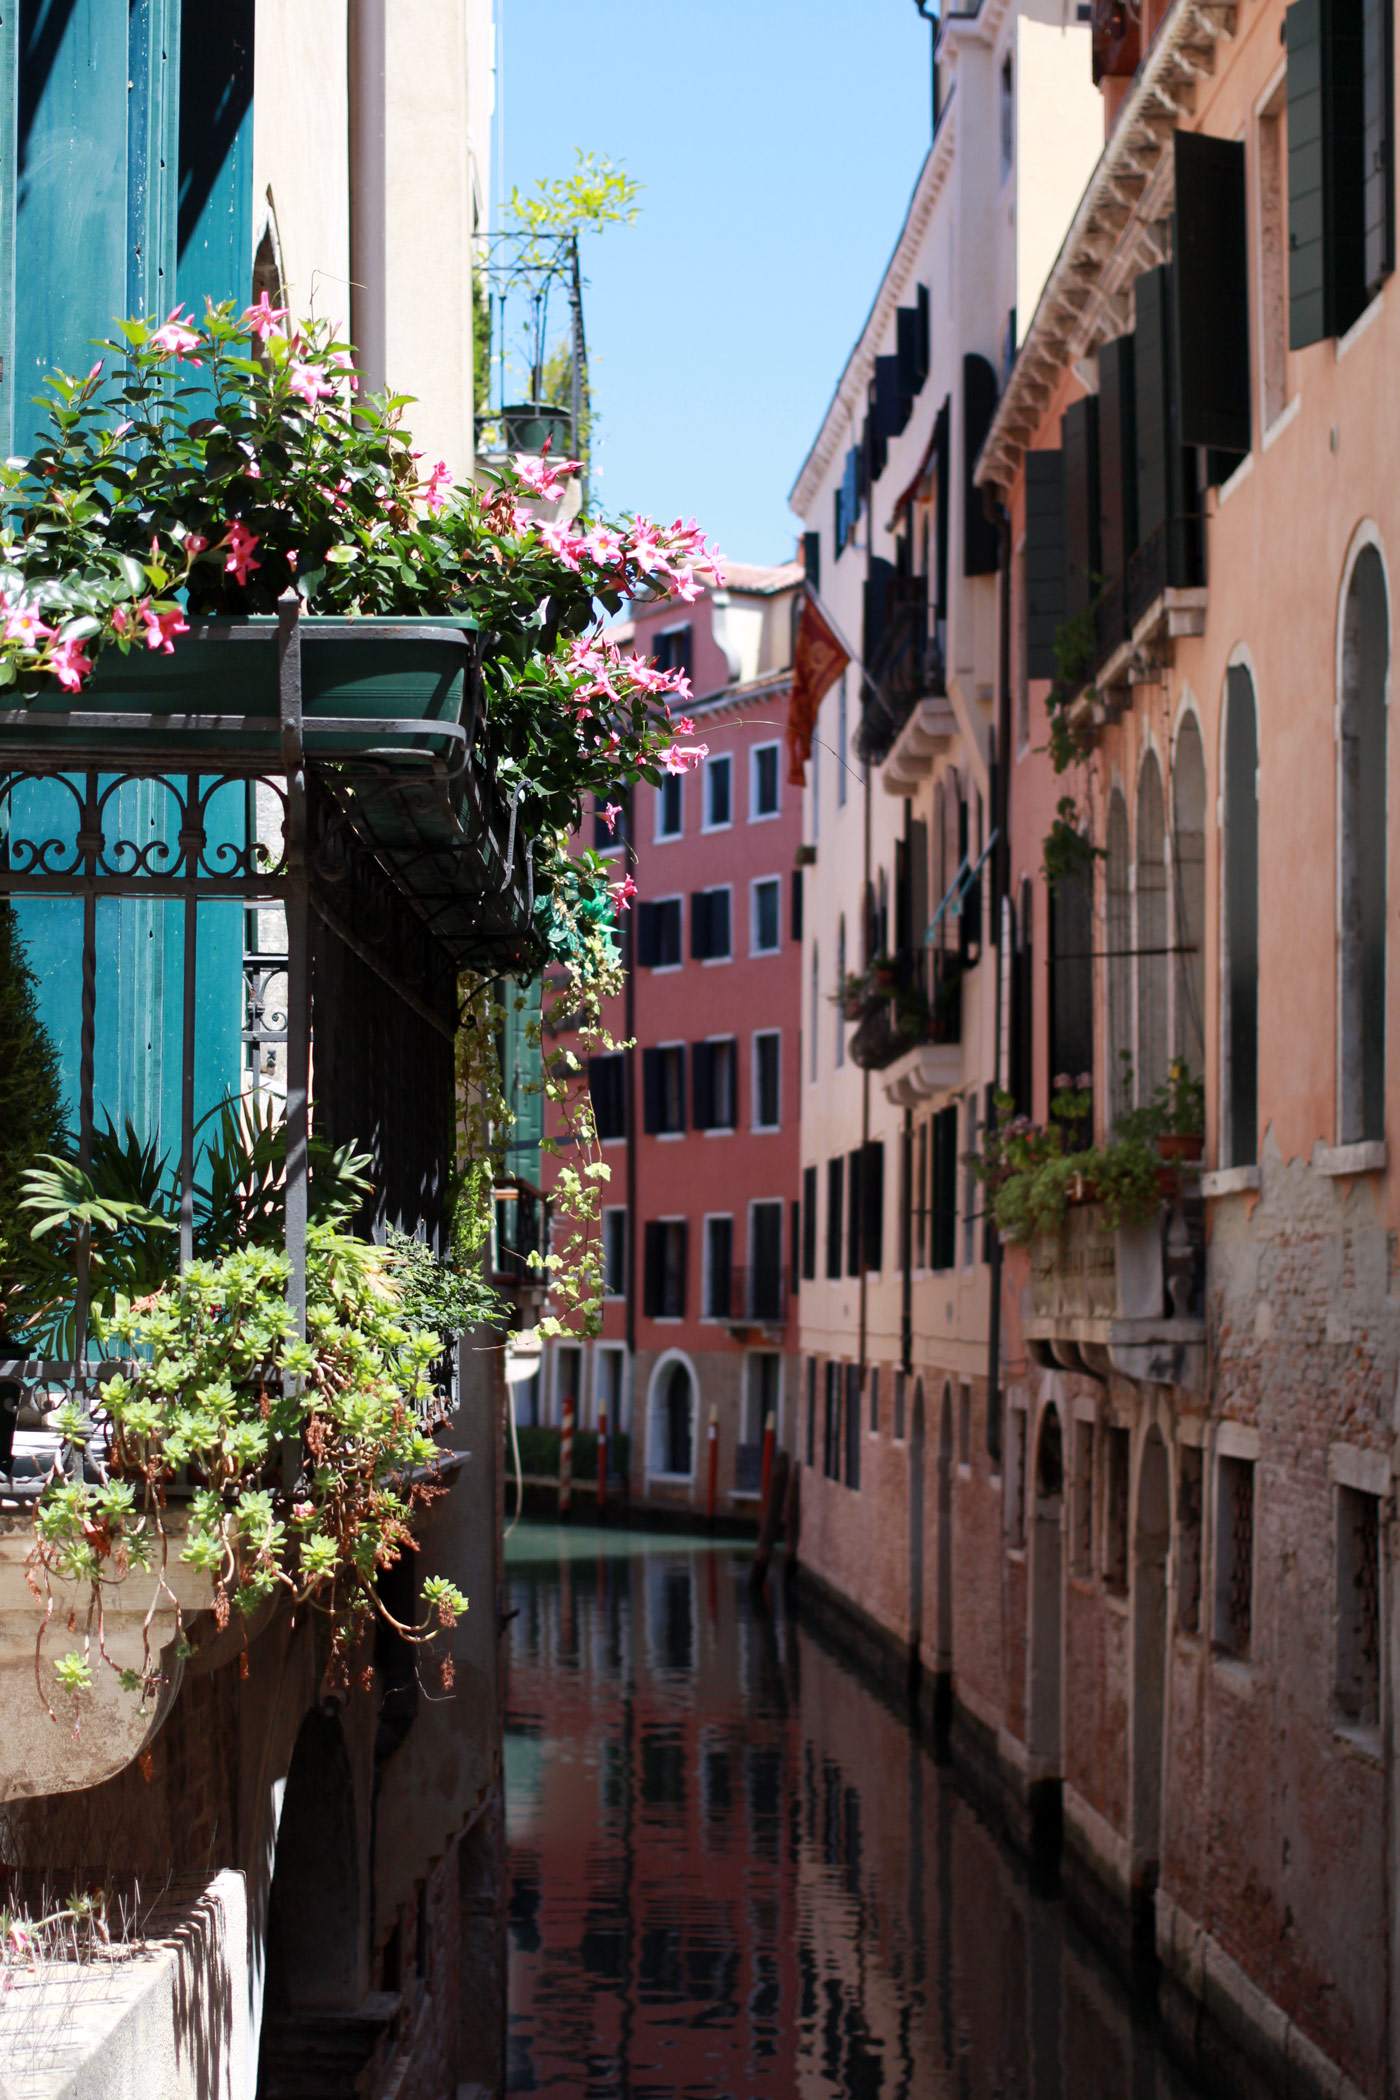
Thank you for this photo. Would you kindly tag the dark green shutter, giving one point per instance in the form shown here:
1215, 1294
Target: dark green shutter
981, 546
1169, 527
795, 905
925, 334
809, 1223
893, 402
1117, 483
835, 1193
853, 1211
1079, 441
1378, 141
699, 925
702, 1085
1072, 975
1044, 560
906, 341
872, 1188
1326, 145
942, 454
1212, 307
652, 1098
647, 921
654, 1269
812, 559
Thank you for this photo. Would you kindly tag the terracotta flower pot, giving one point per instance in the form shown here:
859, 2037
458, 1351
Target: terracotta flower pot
1179, 1145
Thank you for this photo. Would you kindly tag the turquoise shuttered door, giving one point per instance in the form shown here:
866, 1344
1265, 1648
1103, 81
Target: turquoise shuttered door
111, 141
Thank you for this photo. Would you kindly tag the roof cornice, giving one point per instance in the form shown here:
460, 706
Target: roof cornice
848, 400
1083, 301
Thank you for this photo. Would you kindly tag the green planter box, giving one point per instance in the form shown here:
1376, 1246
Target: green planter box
411, 673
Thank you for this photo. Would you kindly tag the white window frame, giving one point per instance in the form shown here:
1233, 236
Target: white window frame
754, 1041
556, 1398
616, 1424
678, 1217
757, 815
755, 883
711, 889
713, 1217
726, 1129
664, 1363
778, 1203
676, 897
670, 1137
668, 838
614, 1210
725, 759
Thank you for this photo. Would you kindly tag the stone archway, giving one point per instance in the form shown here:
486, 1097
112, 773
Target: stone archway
1045, 1689
1151, 1542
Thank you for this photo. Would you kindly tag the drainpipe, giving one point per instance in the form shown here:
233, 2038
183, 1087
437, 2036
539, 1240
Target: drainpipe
1001, 882
366, 37
928, 13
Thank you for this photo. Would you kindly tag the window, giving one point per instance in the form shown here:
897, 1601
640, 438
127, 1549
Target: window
1081, 1559
672, 650
764, 783
811, 1410
835, 1196
839, 1001
663, 1090
831, 1424
994, 1424
609, 1384
765, 924
659, 934
872, 1203
709, 925
1151, 935
718, 778
568, 1380
767, 1070
607, 1084
614, 1253
970, 1182
610, 838
809, 1224
663, 1296
1190, 1504
875, 1399
921, 1154
965, 1425
795, 905
1362, 830
813, 1029
943, 1220
1340, 165
1117, 1450
853, 1211
1189, 898
714, 1084
1239, 946
765, 1292
762, 1394
1234, 1555
1358, 1687
853, 1426
1007, 113
671, 1430
795, 1243
669, 807
843, 759
718, 1268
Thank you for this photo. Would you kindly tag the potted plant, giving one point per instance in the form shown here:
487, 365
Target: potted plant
882, 975
1181, 1104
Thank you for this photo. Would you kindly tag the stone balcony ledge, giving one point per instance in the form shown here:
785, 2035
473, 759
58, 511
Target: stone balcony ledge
921, 1073
930, 729
1124, 1300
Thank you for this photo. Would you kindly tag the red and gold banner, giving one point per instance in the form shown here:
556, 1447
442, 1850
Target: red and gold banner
818, 661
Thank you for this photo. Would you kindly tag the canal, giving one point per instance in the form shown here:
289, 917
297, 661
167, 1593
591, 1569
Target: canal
736, 1874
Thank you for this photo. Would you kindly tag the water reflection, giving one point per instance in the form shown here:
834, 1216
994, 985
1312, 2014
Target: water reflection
737, 1876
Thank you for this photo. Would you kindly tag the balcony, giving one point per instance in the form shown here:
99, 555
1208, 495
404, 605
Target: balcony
756, 1297
904, 661
912, 1009
1128, 1299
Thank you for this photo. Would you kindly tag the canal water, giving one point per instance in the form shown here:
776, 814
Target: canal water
737, 1875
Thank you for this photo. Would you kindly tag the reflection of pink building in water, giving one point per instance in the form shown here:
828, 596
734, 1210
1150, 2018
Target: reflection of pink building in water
699, 1121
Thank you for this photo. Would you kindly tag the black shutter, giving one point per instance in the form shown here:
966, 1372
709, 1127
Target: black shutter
945, 1189
1072, 974
702, 1084
809, 1223
1212, 279
1023, 1006
1079, 439
872, 1190
1377, 142
795, 1242
853, 1425
942, 453
835, 1192
853, 1212
681, 1246
652, 1091
721, 939
678, 1053
1045, 560
812, 558
906, 344
1327, 199
795, 904
700, 925
1117, 485
654, 1269
981, 548
925, 334
1152, 402
893, 401
879, 578
648, 925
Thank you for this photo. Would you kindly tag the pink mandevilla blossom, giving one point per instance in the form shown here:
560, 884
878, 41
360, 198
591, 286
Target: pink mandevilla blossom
685, 727
543, 476
311, 383
622, 894
683, 758
24, 626
435, 488
69, 665
161, 628
564, 545
604, 547
195, 544
264, 319
610, 813
175, 337
240, 543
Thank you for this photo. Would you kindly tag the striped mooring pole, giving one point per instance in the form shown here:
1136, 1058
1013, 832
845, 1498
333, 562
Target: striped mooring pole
566, 1456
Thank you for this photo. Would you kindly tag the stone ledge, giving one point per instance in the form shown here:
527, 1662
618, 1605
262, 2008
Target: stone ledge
1368, 1157
1230, 1181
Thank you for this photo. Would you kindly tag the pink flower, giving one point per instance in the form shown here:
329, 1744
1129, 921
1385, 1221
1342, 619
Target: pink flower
161, 628
685, 727
434, 489
604, 547
610, 812
263, 319
240, 543
195, 544
683, 758
566, 546
69, 665
544, 477
311, 383
622, 894
120, 619
24, 626
344, 363
175, 337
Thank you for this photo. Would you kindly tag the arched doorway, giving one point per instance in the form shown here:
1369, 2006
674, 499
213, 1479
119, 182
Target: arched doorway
1046, 1731
943, 1653
314, 1961
916, 1533
671, 1419
1151, 1540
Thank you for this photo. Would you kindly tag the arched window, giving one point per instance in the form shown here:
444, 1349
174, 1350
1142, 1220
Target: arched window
840, 991
813, 1035
1119, 942
1239, 941
1361, 989
1151, 932
671, 1428
1189, 883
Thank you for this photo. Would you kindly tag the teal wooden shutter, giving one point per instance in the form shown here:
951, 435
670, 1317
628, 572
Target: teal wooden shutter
1212, 312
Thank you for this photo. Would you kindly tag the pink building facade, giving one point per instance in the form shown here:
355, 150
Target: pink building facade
698, 1120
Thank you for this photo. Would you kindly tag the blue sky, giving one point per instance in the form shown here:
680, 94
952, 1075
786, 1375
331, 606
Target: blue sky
778, 141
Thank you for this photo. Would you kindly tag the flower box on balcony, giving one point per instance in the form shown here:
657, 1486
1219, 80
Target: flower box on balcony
407, 681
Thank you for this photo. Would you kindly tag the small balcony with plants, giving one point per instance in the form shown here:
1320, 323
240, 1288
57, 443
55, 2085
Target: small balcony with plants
1114, 1232
908, 1006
